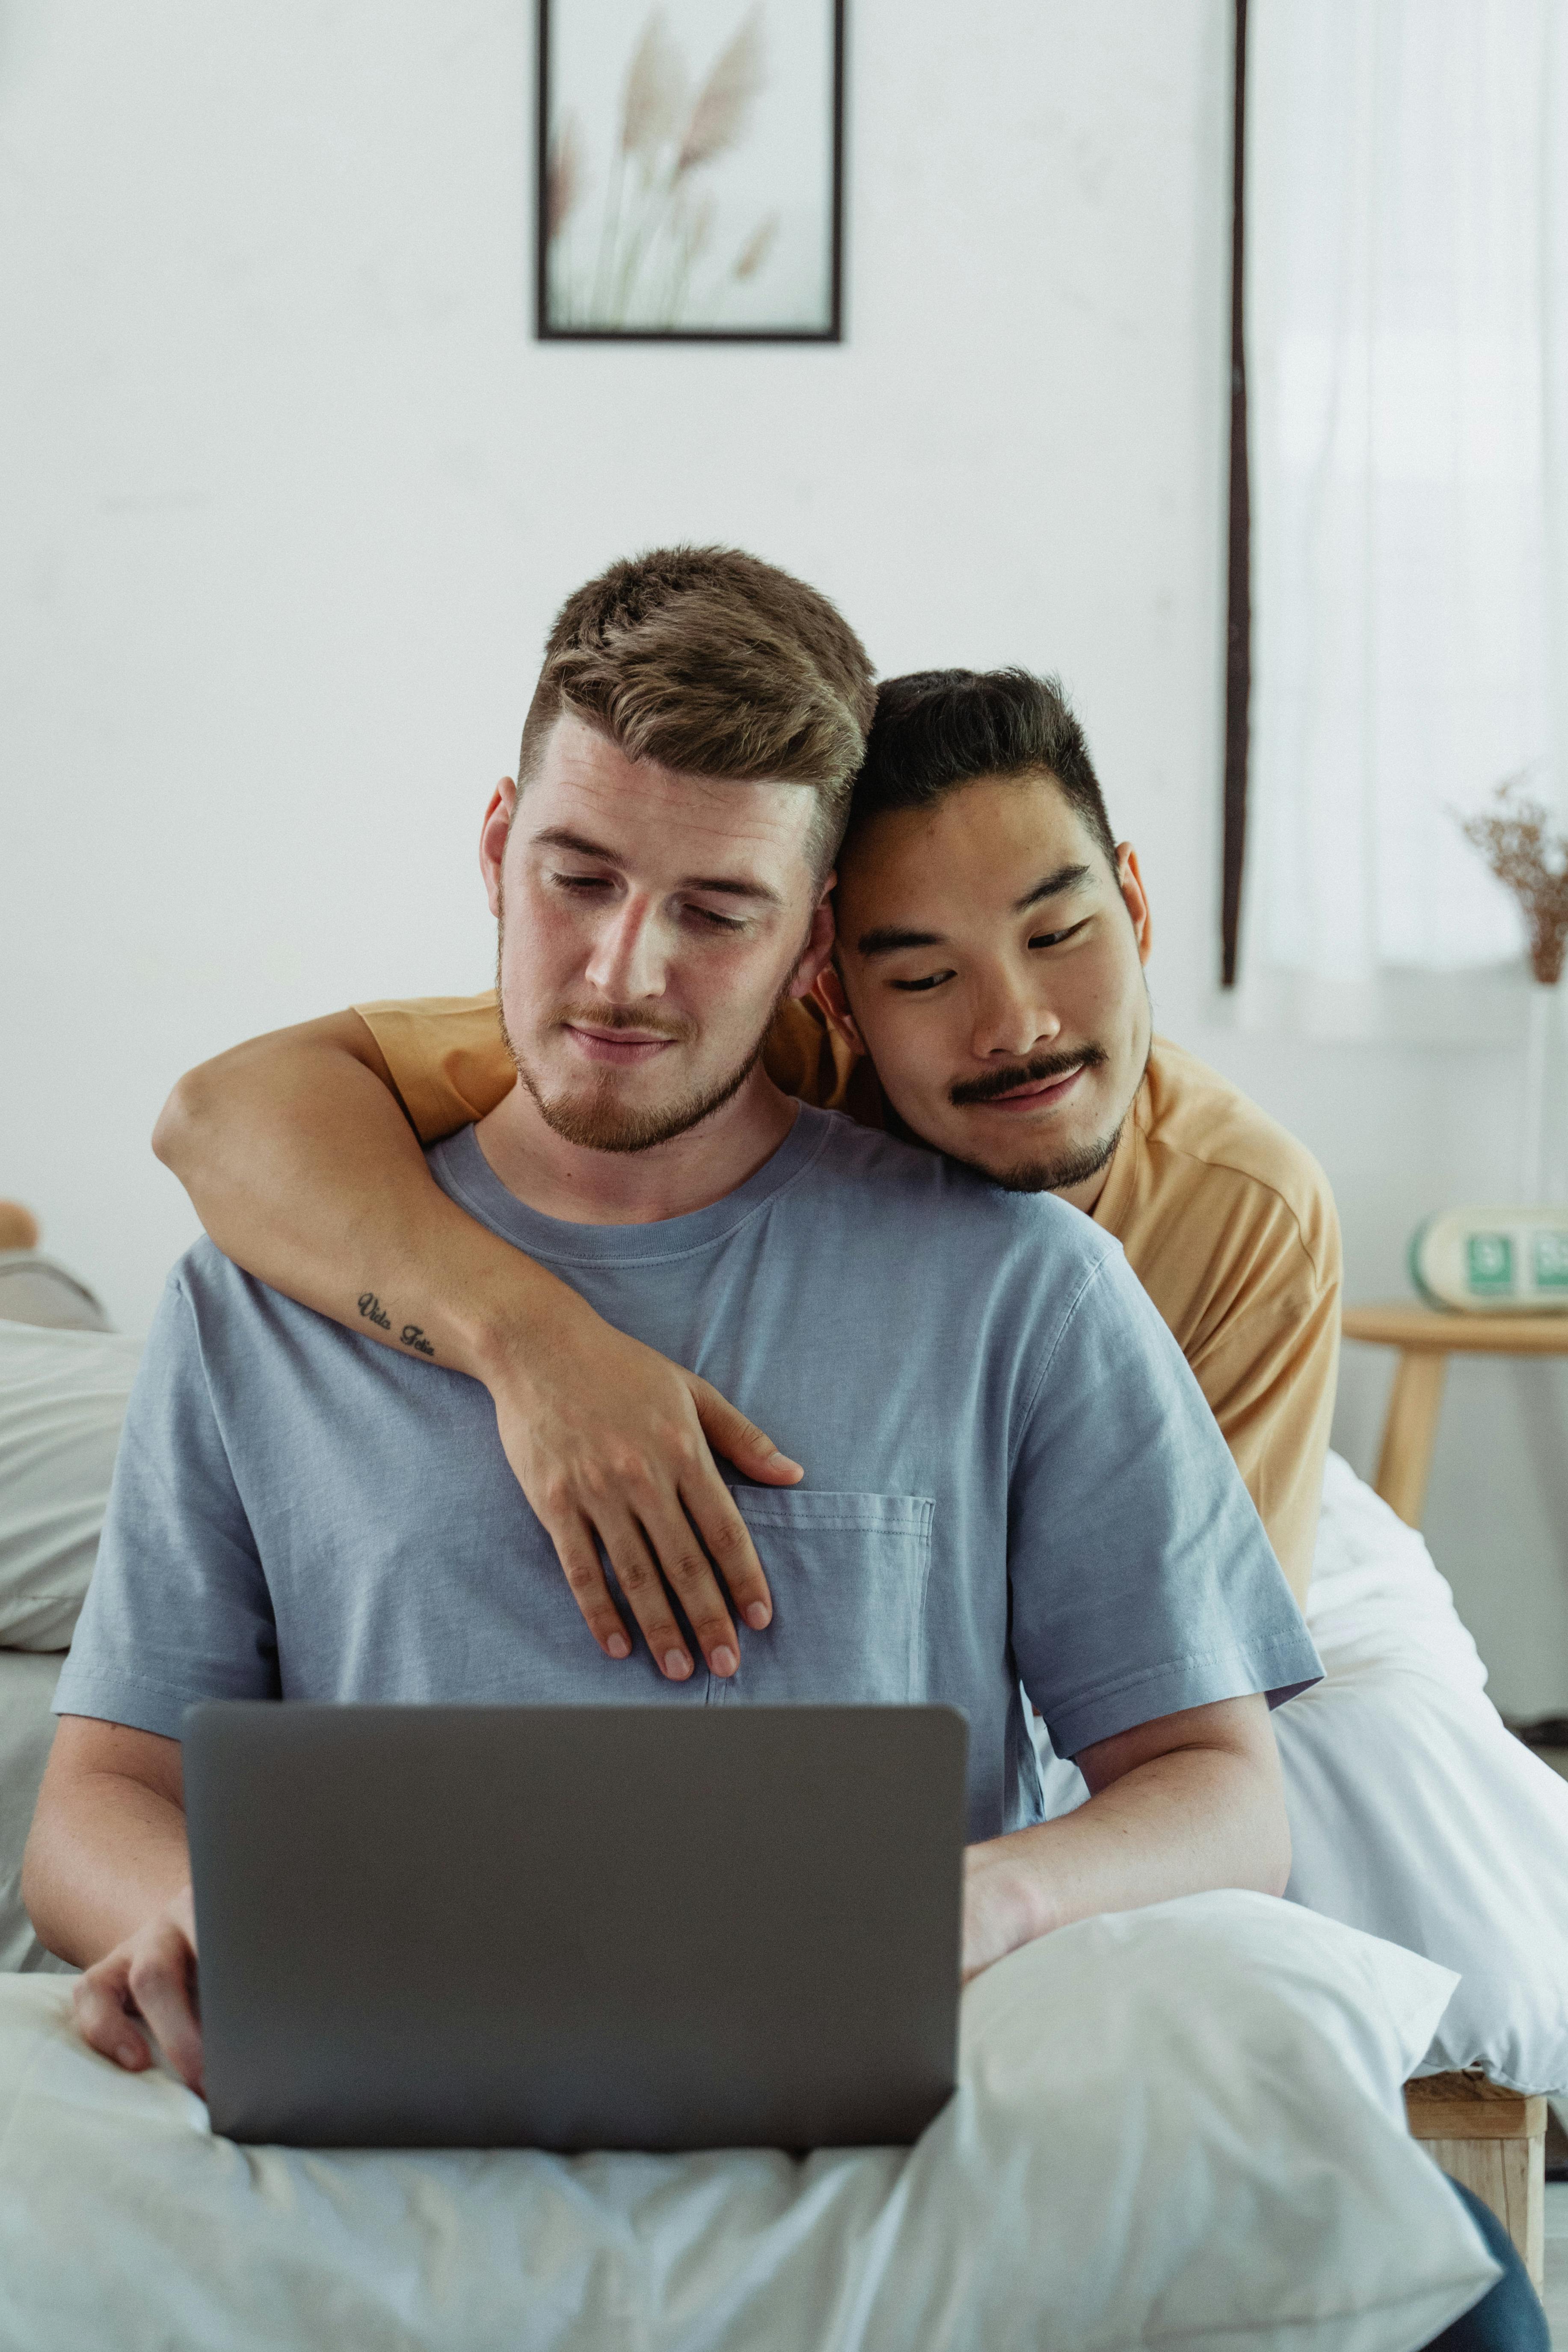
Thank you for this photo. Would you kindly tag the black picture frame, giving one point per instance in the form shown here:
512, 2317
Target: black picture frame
546, 330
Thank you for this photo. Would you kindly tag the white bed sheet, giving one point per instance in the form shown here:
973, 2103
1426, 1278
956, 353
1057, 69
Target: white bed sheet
1174, 2127
27, 1679
1414, 1812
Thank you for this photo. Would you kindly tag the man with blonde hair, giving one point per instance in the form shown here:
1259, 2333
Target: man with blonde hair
1011, 1476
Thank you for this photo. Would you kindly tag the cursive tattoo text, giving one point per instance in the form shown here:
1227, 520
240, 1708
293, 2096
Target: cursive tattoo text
412, 1334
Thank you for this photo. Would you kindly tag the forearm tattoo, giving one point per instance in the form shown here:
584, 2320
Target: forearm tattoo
412, 1334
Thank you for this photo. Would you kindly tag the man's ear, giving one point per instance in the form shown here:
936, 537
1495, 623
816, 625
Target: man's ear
1134, 897
834, 1005
818, 943
492, 838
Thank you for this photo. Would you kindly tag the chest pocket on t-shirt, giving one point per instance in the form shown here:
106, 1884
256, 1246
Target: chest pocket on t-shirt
847, 1573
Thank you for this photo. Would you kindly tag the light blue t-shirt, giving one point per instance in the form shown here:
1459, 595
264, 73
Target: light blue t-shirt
1010, 1473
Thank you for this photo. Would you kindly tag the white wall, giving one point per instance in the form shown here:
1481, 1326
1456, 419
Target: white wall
291, 496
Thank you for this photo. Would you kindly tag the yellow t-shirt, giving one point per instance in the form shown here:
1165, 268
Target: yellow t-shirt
1226, 1221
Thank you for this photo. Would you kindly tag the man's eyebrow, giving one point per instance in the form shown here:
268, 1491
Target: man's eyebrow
728, 885
1066, 878
725, 886
888, 939
557, 836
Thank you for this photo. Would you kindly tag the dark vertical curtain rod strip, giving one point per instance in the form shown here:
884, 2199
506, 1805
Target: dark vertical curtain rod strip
1238, 620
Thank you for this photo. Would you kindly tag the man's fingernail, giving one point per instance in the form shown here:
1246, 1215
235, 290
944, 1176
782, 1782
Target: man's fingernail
778, 1461
677, 1664
618, 1646
723, 1660
128, 2053
759, 1615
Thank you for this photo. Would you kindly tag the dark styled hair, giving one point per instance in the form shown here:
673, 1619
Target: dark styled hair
711, 662
937, 730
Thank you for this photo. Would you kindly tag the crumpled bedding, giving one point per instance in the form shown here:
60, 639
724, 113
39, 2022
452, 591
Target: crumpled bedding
1414, 1812
1174, 2127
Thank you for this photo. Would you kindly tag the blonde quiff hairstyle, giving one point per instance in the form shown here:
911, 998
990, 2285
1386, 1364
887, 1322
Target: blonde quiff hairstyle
712, 663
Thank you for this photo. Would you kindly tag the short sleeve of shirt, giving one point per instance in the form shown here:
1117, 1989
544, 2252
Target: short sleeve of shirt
178, 1608
447, 1057
1142, 1579
1268, 1370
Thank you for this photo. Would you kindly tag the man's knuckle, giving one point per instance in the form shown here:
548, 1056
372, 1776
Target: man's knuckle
729, 1538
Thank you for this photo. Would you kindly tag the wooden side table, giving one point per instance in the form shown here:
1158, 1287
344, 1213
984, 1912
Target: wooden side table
1494, 2142
1426, 1338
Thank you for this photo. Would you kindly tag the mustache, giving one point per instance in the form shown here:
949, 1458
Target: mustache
992, 1082
621, 1016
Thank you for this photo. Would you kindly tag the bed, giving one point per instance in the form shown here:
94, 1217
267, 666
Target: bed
1416, 1819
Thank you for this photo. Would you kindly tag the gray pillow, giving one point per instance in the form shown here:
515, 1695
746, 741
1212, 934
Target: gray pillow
38, 1289
62, 1399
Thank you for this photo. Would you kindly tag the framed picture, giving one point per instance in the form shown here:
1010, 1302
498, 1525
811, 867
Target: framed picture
690, 170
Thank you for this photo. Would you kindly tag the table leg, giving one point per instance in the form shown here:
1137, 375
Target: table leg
1411, 1430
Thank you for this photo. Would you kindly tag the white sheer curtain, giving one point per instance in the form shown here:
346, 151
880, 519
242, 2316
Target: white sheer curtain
1407, 308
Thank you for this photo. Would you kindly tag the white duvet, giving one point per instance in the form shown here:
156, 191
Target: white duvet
1414, 1812
1180, 2127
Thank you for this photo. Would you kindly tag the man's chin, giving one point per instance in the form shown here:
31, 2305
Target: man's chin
1058, 1171
596, 1120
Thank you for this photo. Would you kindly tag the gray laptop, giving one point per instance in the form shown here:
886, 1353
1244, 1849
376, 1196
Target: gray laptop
576, 1928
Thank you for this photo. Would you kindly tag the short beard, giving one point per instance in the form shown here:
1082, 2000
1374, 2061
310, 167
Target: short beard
1069, 1169
1053, 1175
599, 1124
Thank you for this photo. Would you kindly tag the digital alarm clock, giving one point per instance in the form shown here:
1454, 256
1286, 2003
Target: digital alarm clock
1493, 1261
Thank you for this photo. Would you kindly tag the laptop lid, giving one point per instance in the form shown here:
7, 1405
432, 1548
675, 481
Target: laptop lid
576, 1928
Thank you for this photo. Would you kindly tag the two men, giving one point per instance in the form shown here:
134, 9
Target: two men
298, 1152
1009, 1470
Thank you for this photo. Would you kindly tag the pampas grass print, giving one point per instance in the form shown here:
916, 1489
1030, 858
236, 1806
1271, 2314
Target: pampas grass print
651, 256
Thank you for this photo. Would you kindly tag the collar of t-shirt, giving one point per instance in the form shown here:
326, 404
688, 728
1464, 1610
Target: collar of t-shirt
462, 1170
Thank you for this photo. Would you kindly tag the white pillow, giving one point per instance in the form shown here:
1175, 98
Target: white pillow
1177, 2126
62, 1399
1414, 1812
26, 1731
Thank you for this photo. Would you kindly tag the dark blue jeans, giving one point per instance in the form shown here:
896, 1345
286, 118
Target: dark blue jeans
1509, 2318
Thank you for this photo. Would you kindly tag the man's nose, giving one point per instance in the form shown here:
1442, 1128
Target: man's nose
1009, 1018
627, 962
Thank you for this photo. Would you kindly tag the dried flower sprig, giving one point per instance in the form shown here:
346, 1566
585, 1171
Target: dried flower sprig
655, 101
1530, 857
655, 232
563, 176
723, 107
